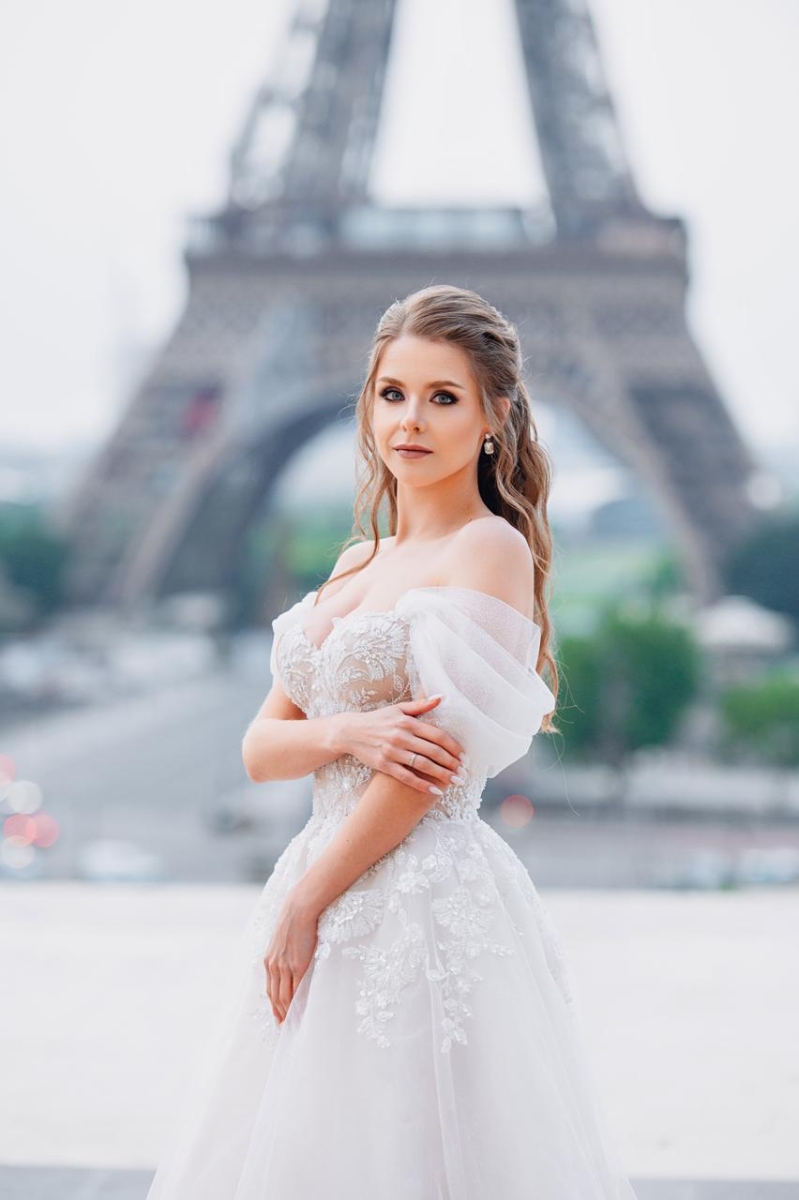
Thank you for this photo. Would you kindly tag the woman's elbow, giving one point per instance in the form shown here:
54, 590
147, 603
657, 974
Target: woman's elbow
254, 758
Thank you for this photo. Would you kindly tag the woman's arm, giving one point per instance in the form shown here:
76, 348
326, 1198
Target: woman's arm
385, 814
282, 747
280, 741
383, 817
384, 738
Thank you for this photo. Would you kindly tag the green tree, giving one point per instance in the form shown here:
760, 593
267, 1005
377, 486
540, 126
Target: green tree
33, 555
760, 720
666, 575
765, 565
627, 685
579, 693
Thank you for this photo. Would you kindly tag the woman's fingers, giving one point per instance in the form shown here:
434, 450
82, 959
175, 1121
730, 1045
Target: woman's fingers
273, 987
274, 991
425, 773
436, 743
421, 702
439, 743
418, 781
286, 991
422, 771
434, 760
281, 984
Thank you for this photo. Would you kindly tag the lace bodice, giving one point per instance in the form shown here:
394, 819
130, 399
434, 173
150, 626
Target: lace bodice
474, 648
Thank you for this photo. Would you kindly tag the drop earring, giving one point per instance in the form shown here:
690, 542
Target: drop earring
488, 445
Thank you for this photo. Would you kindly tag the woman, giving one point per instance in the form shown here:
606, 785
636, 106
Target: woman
405, 1028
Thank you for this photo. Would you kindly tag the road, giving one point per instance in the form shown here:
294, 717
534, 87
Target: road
158, 770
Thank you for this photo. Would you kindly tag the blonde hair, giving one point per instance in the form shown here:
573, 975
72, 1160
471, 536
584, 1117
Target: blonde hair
515, 481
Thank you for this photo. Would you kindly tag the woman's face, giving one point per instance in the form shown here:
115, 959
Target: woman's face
425, 395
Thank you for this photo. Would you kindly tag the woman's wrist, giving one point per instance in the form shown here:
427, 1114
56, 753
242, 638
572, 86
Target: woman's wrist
304, 899
338, 733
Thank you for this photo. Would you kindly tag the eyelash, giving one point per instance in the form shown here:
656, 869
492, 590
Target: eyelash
453, 399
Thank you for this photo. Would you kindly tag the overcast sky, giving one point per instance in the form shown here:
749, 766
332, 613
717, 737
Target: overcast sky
115, 122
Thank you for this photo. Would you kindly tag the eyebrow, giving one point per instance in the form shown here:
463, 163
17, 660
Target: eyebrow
438, 382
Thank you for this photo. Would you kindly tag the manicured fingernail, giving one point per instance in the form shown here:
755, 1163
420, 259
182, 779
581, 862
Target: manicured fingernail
437, 791
459, 779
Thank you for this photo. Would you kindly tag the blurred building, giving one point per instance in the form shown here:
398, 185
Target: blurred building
742, 638
289, 277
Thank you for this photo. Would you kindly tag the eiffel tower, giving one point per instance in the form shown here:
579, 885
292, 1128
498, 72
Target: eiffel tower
288, 279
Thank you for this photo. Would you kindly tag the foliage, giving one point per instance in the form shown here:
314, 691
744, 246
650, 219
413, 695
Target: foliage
761, 720
284, 553
627, 685
765, 565
580, 686
33, 555
666, 576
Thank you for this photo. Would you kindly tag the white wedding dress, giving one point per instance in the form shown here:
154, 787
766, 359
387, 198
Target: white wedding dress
432, 1050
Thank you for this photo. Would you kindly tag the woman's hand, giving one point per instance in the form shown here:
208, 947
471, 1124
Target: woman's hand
290, 952
386, 738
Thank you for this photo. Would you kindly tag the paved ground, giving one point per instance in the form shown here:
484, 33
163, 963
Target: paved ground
63, 1184
688, 1002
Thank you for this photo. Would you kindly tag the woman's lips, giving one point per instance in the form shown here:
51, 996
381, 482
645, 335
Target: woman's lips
412, 453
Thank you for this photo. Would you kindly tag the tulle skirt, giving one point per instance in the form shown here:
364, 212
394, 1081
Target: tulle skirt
432, 1051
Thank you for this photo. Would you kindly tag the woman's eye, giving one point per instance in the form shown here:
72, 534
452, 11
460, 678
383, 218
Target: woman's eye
385, 393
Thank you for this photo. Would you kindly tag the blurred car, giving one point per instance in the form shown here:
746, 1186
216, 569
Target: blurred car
114, 860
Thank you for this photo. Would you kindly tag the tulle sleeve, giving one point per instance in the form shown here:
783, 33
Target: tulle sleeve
480, 653
297, 614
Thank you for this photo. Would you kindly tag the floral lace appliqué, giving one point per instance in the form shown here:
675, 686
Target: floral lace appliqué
463, 919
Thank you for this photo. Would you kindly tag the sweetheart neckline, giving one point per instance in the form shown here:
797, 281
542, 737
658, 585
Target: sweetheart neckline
375, 612
337, 621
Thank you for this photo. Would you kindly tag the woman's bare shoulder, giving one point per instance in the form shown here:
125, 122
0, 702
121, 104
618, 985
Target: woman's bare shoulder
491, 555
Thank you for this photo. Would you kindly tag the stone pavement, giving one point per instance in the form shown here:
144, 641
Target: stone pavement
688, 1002
42, 1183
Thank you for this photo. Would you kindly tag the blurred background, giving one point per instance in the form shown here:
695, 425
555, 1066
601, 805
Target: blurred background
205, 212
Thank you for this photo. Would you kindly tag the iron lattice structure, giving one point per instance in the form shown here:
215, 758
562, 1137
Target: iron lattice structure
288, 278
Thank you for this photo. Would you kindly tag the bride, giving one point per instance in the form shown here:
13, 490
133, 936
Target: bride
405, 1027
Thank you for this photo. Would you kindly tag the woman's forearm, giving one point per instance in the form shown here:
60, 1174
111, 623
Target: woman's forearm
385, 814
274, 748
